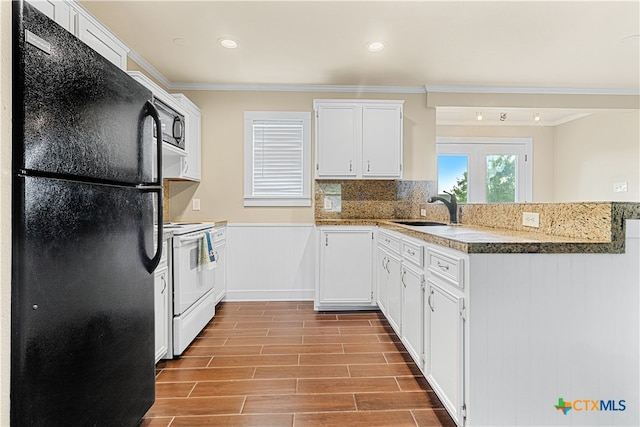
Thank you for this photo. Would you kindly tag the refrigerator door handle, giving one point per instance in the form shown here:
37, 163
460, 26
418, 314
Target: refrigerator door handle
150, 110
156, 187
152, 263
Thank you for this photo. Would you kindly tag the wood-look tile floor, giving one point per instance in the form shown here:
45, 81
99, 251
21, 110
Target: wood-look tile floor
283, 364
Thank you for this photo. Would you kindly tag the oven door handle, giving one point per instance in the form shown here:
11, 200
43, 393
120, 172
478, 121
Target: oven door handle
190, 239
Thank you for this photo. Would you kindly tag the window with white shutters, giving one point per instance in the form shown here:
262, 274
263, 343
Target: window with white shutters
277, 159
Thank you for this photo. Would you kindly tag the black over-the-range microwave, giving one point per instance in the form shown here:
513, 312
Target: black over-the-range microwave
172, 124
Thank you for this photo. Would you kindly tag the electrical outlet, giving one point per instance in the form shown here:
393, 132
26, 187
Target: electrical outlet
423, 212
195, 204
530, 219
620, 187
327, 203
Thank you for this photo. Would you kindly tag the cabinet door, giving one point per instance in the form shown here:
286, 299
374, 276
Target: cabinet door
445, 355
190, 165
382, 141
161, 310
394, 295
338, 136
413, 312
221, 270
382, 278
57, 10
346, 268
101, 41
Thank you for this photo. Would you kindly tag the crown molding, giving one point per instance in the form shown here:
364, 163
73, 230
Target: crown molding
150, 69
298, 88
528, 90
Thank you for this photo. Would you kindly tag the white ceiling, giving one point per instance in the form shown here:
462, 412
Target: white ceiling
544, 44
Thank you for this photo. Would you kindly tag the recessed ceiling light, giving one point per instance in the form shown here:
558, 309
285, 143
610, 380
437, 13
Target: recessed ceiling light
228, 43
374, 47
179, 41
479, 116
536, 117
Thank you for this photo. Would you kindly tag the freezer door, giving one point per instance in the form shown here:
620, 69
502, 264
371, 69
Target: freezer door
75, 113
82, 304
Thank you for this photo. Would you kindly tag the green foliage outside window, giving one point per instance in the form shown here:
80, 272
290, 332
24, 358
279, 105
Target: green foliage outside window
501, 181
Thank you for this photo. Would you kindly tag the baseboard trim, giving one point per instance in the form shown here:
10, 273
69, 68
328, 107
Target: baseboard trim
271, 295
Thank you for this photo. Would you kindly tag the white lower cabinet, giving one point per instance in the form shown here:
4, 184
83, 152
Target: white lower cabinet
394, 294
345, 271
162, 290
220, 250
412, 336
388, 279
445, 347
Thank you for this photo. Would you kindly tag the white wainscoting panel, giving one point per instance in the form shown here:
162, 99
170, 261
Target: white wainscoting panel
550, 326
271, 262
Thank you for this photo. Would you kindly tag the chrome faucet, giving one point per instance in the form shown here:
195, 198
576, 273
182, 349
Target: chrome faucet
452, 205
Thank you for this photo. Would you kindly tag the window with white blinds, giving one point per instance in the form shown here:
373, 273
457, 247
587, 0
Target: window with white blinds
277, 159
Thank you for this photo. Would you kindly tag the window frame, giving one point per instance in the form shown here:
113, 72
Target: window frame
298, 200
476, 149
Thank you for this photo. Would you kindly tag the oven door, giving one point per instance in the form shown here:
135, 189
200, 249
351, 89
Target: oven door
190, 282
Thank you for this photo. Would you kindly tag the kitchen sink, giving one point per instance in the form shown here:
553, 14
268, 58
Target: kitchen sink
419, 223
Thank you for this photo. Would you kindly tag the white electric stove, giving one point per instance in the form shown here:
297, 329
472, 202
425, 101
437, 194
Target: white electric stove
193, 287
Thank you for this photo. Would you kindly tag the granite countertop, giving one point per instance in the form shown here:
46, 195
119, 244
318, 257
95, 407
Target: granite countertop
476, 239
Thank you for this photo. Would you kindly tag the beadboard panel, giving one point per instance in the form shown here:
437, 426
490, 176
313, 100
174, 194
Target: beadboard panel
271, 262
554, 326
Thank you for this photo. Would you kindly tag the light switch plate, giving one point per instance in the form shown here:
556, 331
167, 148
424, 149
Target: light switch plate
327, 203
530, 219
195, 204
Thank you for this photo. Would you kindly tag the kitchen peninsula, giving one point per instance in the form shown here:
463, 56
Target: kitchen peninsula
505, 319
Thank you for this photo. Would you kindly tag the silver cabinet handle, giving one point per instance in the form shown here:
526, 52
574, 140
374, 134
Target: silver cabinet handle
350, 165
429, 300
164, 284
410, 252
386, 267
402, 278
444, 267
368, 165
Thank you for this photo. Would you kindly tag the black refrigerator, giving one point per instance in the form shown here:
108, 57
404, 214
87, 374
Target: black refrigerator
86, 222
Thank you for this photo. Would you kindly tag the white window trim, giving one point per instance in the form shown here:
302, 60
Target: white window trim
249, 198
525, 143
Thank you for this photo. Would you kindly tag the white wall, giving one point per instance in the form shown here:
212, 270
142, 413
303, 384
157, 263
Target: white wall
593, 153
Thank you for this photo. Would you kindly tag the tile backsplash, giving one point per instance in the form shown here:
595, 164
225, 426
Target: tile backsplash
375, 199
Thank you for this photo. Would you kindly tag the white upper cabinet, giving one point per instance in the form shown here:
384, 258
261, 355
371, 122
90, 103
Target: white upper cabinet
358, 139
101, 40
75, 19
187, 167
59, 11
338, 130
382, 141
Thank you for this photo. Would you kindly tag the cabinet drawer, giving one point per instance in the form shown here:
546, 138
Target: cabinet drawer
219, 234
447, 266
389, 241
413, 252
